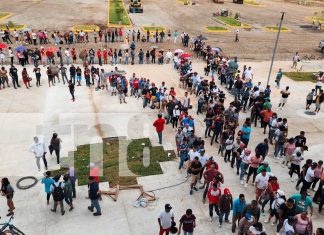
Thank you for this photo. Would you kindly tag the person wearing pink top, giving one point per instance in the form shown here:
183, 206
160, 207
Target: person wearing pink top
289, 149
303, 224
254, 165
317, 174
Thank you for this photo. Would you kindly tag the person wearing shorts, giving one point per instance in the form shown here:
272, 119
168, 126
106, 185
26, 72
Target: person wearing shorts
78, 75
284, 98
318, 101
195, 169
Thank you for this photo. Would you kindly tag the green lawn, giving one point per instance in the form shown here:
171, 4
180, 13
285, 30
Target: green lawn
111, 162
276, 28
118, 13
85, 27
301, 76
252, 2
229, 21
4, 14
16, 26
316, 18
215, 28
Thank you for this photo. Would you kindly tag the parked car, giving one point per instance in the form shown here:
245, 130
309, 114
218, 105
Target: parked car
321, 45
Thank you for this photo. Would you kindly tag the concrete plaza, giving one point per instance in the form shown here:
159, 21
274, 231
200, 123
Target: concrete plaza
95, 114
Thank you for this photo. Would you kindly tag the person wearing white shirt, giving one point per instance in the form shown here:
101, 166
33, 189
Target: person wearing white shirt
67, 56
245, 157
39, 150
193, 153
309, 177
261, 182
165, 219
248, 74
168, 56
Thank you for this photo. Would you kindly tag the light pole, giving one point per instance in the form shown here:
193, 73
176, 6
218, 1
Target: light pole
275, 48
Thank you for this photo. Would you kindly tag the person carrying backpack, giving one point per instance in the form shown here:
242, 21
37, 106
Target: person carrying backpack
58, 194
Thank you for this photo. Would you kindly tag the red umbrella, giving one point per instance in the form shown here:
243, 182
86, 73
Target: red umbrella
2, 46
185, 56
52, 49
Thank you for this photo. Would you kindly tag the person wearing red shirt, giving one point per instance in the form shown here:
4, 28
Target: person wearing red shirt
105, 56
136, 87
99, 57
266, 114
159, 126
214, 194
172, 92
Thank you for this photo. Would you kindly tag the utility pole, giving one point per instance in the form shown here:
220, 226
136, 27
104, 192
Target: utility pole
275, 48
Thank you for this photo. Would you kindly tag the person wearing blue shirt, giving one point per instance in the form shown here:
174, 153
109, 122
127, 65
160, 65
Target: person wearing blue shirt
246, 133
302, 202
183, 149
238, 207
47, 181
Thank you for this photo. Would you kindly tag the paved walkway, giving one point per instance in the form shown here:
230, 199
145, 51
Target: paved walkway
40, 111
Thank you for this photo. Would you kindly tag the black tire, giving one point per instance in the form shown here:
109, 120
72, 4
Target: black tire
27, 186
322, 50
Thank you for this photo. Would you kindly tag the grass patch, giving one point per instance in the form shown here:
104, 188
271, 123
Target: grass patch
301, 76
4, 15
117, 13
85, 28
186, 2
276, 28
317, 18
229, 21
252, 2
111, 161
215, 28
13, 27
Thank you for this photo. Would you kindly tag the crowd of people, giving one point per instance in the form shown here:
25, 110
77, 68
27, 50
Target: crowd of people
291, 214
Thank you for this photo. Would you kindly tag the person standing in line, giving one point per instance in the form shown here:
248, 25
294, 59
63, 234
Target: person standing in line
278, 78
238, 207
159, 126
187, 223
26, 78
63, 70
71, 89
47, 181
237, 35
165, 220
8, 191
68, 191
56, 146
73, 177
284, 98
38, 75
94, 196
39, 150
11, 55
175, 36
58, 194
318, 101
50, 77
296, 59
225, 206
310, 98
13, 72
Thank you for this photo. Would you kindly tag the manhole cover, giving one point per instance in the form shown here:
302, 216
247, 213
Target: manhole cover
310, 113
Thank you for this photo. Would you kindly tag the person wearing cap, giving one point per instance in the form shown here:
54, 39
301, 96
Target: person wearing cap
245, 223
187, 223
165, 219
159, 126
264, 165
238, 207
225, 206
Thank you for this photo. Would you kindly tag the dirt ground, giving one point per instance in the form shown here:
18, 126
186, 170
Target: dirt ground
255, 43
